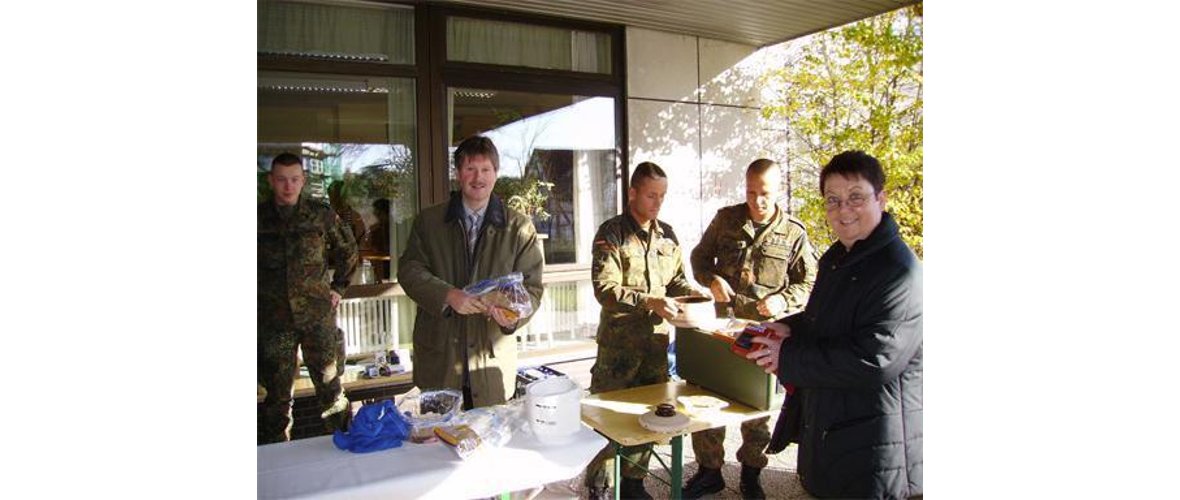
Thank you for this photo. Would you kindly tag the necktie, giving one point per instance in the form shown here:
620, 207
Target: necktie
472, 230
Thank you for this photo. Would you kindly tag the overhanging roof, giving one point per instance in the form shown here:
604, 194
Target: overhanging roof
753, 22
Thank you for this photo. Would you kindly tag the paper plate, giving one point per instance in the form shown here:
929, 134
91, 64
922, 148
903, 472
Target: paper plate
702, 405
665, 425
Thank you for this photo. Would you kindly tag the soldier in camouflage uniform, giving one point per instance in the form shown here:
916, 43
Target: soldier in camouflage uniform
757, 258
298, 240
637, 266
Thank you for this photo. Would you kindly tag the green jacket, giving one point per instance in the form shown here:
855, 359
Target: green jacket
629, 265
780, 260
435, 261
294, 255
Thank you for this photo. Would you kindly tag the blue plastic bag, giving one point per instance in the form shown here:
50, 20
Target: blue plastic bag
375, 427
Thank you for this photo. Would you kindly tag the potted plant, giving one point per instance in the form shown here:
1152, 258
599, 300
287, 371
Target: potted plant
528, 195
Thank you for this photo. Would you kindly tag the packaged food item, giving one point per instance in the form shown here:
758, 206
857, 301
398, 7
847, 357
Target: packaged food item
426, 410
423, 434
463, 439
744, 342
480, 428
506, 293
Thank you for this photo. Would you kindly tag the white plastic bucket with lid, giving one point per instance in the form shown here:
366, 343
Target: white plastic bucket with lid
554, 408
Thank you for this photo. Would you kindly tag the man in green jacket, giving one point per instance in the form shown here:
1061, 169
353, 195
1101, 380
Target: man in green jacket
637, 266
460, 341
757, 259
298, 240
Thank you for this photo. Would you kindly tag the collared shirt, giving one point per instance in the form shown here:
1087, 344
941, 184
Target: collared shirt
472, 221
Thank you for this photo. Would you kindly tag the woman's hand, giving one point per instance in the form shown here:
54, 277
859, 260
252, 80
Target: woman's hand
767, 356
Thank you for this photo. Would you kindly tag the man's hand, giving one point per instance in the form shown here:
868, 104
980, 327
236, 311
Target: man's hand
463, 303
772, 306
664, 307
335, 298
722, 293
767, 357
502, 317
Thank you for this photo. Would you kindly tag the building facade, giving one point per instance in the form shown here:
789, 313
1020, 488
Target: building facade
376, 95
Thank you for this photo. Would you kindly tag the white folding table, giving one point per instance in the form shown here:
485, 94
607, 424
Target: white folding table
316, 468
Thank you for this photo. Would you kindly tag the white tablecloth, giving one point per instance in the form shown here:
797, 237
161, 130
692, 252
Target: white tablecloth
316, 468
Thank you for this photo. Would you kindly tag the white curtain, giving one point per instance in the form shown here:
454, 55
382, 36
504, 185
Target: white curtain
403, 116
590, 52
515, 44
366, 33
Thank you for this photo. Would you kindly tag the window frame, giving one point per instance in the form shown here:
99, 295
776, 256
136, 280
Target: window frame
433, 74
445, 74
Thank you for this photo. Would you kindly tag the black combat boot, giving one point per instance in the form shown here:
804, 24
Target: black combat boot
705, 481
632, 488
750, 487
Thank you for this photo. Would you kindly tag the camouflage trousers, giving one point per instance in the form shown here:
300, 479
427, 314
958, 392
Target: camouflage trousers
278, 365
709, 445
622, 368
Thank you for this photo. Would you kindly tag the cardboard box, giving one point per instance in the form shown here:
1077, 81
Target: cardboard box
706, 360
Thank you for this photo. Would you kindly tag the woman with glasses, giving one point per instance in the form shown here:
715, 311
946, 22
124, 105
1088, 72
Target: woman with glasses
854, 354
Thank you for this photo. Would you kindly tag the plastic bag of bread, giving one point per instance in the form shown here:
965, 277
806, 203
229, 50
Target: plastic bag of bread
480, 428
427, 410
505, 292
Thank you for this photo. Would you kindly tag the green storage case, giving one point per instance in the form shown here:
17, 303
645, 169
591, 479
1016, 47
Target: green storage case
706, 361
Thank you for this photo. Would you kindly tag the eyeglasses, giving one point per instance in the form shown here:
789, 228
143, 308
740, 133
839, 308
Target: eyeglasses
856, 200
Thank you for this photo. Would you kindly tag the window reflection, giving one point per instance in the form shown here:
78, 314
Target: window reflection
354, 134
557, 160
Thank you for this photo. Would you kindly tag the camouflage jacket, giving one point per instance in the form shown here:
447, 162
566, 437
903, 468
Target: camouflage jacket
629, 265
779, 260
294, 254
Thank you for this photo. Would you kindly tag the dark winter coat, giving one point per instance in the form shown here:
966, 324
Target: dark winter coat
437, 260
855, 358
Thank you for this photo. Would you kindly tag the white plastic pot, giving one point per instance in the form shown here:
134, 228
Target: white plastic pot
554, 408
